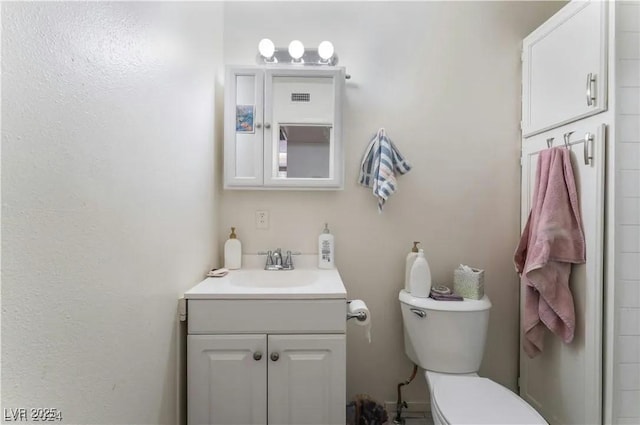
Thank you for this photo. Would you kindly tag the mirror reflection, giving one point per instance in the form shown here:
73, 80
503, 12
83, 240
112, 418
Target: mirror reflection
304, 151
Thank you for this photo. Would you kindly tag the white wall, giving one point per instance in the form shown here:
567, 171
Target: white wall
108, 207
443, 78
626, 394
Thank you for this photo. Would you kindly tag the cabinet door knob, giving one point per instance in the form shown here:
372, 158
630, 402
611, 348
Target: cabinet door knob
257, 355
267, 125
275, 356
258, 125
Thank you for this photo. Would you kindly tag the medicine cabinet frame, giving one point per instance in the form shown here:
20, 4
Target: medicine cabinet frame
252, 130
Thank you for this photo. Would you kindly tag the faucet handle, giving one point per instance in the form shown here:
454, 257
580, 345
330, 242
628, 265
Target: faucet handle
288, 261
269, 257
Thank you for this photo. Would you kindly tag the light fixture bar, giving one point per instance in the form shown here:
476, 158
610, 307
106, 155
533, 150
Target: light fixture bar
283, 55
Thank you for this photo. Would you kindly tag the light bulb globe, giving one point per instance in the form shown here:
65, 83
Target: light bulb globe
325, 50
296, 49
266, 48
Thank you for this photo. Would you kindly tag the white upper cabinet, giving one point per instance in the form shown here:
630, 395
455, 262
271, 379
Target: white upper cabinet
283, 128
564, 66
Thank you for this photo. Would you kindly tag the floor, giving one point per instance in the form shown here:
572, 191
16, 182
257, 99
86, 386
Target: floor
418, 421
415, 418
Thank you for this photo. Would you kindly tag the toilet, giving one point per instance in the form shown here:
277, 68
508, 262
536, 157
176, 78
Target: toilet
446, 339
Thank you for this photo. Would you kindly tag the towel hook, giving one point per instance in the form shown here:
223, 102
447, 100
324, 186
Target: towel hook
567, 137
550, 141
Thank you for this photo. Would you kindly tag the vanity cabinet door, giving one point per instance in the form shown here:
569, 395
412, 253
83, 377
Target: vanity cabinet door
227, 379
564, 67
307, 379
243, 127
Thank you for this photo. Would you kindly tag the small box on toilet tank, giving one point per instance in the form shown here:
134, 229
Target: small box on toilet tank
468, 282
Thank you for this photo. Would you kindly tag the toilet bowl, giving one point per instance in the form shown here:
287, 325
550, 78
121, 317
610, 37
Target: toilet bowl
446, 339
470, 399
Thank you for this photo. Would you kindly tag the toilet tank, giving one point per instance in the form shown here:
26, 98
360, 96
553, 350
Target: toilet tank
445, 336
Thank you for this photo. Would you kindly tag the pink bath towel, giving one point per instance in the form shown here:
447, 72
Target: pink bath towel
551, 241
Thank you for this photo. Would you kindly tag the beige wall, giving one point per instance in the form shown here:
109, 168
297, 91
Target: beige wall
444, 80
108, 201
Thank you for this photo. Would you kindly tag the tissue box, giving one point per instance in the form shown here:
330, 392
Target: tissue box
469, 284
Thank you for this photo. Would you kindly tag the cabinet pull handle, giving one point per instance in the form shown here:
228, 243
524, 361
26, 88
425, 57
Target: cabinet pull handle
258, 125
588, 138
257, 355
591, 97
275, 356
267, 125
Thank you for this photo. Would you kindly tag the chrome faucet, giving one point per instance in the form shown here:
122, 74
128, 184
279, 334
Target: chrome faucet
276, 261
277, 258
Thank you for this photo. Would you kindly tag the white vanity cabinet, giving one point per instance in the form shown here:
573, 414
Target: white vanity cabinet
564, 65
228, 384
266, 361
283, 128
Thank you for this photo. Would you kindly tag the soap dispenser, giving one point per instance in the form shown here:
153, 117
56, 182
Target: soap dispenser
411, 257
420, 277
232, 252
325, 249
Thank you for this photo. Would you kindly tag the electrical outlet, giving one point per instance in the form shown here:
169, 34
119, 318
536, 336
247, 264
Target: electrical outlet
262, 219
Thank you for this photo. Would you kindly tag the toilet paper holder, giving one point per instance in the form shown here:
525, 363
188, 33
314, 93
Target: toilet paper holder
360, 317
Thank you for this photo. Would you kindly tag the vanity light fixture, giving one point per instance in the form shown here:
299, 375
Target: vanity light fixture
296, 54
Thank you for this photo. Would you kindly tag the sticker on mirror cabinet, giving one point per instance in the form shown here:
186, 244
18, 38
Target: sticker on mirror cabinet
244, 118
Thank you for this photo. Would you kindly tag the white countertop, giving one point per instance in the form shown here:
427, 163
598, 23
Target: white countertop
252, 282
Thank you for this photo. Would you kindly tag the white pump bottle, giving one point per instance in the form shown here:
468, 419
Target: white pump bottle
326, 249
420, 277
411, 258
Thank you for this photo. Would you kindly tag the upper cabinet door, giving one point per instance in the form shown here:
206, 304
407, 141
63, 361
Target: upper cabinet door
243, 127
564, 67
304, 146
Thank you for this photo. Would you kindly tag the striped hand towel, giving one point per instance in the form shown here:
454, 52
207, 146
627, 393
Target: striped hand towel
379, 165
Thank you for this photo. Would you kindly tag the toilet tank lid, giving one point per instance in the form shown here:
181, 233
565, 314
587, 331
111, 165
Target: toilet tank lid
466, 400
431, 304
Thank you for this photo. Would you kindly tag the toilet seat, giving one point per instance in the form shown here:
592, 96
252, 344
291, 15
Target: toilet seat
475, 400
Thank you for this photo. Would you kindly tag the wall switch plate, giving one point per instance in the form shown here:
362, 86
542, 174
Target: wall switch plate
262, 219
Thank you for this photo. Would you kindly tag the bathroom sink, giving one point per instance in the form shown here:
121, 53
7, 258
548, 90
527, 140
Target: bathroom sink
273, 279
253, 282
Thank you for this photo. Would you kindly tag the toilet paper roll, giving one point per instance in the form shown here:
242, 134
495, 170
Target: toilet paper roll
359, 306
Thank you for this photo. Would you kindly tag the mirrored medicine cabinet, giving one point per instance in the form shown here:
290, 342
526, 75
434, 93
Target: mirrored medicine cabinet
283, 128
